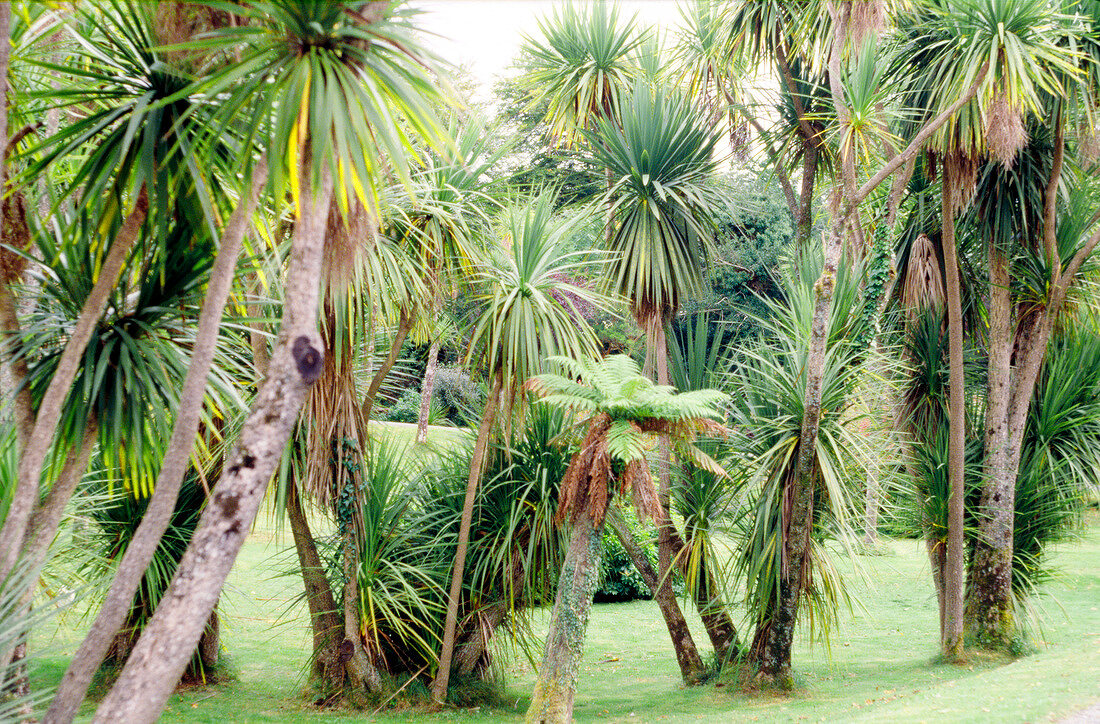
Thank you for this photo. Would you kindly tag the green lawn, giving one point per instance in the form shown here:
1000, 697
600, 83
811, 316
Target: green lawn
880, 667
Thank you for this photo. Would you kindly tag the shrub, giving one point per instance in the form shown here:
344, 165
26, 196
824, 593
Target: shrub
459, 395
407, 407
619, 579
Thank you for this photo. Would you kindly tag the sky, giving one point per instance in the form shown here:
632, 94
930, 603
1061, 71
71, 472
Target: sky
485, 35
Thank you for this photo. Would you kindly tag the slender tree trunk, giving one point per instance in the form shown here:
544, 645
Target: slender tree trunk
716, 621
49, 410
403, 327
454, 595
988, 616
937, 559
954, 583
712, 610
687, 654
556, 685
426, 390
326, 626
159, 658
177, 458
870, 512
360, 668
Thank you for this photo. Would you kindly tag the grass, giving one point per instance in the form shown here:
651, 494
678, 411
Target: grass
880, 668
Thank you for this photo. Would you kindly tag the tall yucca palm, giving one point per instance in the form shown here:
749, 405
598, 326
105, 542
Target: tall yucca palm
709, 69
661, 153
582, 65
622, 413
345, 95
520, 324
444, 228
769, 415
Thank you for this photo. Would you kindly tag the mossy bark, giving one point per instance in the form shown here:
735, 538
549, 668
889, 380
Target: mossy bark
552, 700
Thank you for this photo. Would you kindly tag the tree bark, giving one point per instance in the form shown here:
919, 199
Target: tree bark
327, 629
403, 327
49, 410
712, 609
426, 390
556, 685
454, 595
988, 617
687, 653
177, 457
716, 621
16, 368
954, 583
150, 675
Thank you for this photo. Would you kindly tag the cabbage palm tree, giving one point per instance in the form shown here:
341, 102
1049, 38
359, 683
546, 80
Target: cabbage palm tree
345, 97
520, 324
623, 413
582, 67
661, 153
443, 226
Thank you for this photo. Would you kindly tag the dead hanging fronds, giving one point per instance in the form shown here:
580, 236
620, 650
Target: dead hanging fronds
336, 429
960, 178
1089, 145
923, 286
177, 22
348, 241
1004, 129
869, 17
588, 472
16, 237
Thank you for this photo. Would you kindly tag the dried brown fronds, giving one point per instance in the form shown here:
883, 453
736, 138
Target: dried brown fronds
16, 236
923, 286
960, 176
868, 17
1005, 133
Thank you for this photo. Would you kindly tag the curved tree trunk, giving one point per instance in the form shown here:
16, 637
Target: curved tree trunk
159, 658
454, 595
556, 685
49, 410
403, 327
687, 654
327, 629
177, 457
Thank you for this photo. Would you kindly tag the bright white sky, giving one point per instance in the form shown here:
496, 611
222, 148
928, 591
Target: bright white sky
485, 35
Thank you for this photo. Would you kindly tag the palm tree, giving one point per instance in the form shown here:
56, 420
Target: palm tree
442, 228
332, 93
520, 324
582, 67
662, 155
623, 413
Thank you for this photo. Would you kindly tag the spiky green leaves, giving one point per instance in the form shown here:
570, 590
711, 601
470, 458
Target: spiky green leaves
660, 157
345, 82
582, 65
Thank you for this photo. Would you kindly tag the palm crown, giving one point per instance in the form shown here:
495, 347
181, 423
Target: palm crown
624, 412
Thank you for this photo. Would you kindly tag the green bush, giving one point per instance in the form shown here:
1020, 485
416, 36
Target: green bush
407, 407
619, 579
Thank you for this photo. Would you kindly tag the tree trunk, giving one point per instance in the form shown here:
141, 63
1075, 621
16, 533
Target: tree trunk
210, 644
870, 513
954, 583
327, 629
454, 595
712, 609
426, 390
15, 369
361, 670
49, 410
988, 615
556, 685
403, 327
716, 621
937, 559
687, 654
177, 458
146, 682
